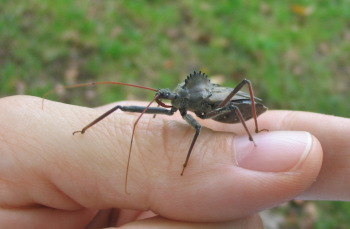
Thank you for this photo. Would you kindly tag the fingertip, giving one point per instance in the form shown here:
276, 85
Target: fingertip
278, 151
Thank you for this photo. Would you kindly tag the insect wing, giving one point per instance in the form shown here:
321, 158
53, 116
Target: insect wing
220, 93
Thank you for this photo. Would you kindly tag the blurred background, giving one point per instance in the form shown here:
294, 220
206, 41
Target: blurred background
296, 54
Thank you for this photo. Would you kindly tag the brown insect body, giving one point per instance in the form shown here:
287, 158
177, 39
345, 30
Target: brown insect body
199, 95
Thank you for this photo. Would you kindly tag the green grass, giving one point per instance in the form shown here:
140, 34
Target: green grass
295, 61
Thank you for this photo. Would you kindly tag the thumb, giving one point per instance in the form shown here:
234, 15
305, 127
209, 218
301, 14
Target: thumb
228, 177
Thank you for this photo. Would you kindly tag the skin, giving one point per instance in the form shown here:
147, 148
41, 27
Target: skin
50, 178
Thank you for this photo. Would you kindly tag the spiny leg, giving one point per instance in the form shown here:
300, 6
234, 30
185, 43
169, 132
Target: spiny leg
190, 120
251, 93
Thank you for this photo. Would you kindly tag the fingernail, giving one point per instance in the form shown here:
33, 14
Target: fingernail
278, 151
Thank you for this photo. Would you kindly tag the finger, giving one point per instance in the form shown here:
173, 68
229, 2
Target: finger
253, 222
147, 219
103, 219
333, 133
116, 217
44, 217
72, 172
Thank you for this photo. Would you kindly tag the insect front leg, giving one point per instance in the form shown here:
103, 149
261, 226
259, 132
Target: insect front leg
228, 109
136, 109
190, 120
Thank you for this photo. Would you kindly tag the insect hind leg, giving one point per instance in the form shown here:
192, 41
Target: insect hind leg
228, 109
251, 93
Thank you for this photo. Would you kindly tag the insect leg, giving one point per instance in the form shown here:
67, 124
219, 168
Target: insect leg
136, 109
142, 110
190, 120
251, 93
227, 110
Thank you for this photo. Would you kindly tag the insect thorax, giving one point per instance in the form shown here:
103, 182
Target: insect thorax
193, 93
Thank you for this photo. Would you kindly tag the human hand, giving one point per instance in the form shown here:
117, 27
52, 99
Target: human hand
51, 178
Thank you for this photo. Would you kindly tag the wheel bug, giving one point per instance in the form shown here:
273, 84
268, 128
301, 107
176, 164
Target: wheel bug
199, 95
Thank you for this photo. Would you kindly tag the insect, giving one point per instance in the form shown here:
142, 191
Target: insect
200, 96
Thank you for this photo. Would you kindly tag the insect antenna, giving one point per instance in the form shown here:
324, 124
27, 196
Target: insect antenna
132, 139
93, 84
